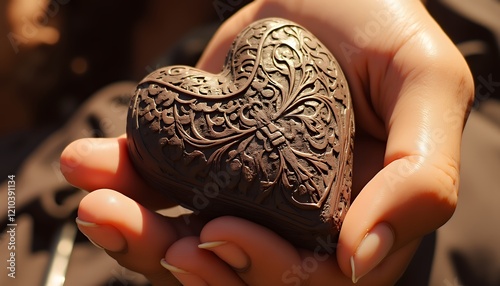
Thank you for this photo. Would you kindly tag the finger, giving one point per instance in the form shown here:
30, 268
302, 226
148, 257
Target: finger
263, 254
136, 237
424, 108
390, 270
409, 198
94, 163
319, 272
194, 266
260, 256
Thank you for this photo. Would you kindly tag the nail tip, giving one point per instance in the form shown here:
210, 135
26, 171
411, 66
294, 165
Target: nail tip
95, 243
372, 250
85, 223
172, 268
353, 271
211, 244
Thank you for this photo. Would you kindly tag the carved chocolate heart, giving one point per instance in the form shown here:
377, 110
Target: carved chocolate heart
269, 139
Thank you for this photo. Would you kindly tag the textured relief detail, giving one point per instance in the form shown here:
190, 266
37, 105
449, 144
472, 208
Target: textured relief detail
274, 129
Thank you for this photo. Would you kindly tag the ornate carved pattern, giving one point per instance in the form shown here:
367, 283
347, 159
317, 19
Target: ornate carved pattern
278, 119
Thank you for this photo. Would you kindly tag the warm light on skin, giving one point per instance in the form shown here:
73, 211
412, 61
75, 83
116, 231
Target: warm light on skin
428, 44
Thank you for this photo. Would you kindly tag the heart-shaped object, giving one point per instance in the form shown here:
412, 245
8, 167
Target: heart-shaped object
268, 139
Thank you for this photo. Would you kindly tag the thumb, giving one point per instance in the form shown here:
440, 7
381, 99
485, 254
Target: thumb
417, 190
400, 204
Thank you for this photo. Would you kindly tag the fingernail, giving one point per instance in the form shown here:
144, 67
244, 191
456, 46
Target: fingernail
183, 276
172, 268
230, 253
103, 236
373, 248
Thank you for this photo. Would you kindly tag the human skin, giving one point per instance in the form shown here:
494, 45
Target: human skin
411, 92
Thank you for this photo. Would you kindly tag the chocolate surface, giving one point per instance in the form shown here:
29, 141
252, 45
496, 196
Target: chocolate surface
268, 139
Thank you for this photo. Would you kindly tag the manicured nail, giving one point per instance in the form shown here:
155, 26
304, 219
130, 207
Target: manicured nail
212, 244
230, 253
103, 236
88, 224
353, 270
85, 223
172, 268
183, 276
371, 251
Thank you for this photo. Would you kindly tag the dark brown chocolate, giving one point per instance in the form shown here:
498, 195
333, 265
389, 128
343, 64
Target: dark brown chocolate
268, 139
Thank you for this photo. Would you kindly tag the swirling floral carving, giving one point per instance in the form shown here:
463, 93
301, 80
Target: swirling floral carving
278, 119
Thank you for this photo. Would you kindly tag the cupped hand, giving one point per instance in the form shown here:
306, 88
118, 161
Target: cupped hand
411, 92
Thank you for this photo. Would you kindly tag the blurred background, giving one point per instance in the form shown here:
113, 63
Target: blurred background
54, 54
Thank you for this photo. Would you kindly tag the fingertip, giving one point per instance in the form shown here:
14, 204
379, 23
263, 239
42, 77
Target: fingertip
103, 236
255, 240
146, 234
231, 228
183, 276
189, 263
105, 206
98, 218
69, 159
409, 197
232, 254
86, 162
346, 247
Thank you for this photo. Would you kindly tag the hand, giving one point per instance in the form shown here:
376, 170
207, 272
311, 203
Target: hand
411, 91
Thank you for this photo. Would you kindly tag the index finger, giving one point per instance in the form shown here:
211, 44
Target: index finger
104, 163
